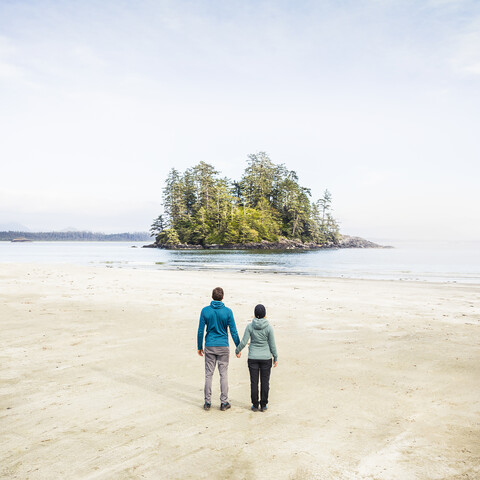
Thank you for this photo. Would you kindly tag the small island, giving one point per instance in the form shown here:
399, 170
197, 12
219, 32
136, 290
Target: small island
267, 209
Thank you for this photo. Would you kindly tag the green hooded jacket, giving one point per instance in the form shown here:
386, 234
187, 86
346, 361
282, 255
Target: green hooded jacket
262, 341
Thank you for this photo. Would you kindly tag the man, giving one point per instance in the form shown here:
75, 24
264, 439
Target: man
216, 318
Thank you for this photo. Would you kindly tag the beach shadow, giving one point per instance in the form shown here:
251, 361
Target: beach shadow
171, 389
177, 391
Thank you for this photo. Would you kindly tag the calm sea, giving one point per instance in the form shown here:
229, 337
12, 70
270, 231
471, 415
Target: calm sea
441, 262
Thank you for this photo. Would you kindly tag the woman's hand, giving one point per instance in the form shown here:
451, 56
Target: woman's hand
275, 364
239, 354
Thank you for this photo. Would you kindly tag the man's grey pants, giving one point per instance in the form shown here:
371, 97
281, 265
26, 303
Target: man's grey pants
214, 355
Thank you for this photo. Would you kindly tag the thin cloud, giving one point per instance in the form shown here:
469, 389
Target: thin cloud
467, 56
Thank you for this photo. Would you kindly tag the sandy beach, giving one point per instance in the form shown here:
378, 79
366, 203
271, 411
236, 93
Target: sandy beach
100, 379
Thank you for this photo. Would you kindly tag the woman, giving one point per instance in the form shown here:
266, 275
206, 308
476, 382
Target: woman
260, 352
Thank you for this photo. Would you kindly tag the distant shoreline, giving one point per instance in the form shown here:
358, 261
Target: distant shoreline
80, 236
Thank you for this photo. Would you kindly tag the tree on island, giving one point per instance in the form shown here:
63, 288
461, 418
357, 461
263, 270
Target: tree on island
268, 203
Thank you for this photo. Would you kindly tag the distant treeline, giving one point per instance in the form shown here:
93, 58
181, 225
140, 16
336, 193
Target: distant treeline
76, 236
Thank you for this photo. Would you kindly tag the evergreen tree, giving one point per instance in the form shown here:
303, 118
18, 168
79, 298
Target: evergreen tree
158, 226
324, 205
259, 179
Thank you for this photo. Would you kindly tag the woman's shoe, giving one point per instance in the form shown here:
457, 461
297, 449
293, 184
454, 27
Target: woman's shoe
263, 409
254, 408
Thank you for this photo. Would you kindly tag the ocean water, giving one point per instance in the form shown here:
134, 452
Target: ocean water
412, 261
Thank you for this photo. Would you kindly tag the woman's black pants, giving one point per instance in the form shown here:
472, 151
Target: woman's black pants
262, 369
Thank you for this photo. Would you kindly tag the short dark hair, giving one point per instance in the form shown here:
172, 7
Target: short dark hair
260, 311
217, 294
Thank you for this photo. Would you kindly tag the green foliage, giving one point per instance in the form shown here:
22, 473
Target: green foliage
168, 238
266, 204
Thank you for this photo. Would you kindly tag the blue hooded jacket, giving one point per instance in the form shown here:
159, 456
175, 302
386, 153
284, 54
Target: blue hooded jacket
216, 318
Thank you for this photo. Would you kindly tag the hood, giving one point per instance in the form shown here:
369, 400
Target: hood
215, 304
259, 323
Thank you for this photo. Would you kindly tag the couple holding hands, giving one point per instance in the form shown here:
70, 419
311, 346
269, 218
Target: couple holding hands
216, 318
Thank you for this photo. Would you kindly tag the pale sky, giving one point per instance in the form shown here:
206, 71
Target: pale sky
378, 101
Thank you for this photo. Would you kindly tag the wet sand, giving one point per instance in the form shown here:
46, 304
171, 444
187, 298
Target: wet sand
99, 378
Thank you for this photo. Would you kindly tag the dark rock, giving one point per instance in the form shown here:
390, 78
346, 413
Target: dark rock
345, 241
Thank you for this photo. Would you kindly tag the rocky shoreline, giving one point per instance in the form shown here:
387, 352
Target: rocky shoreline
346, 241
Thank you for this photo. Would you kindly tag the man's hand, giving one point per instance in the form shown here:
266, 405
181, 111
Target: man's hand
275, 364
200, 352
239, 354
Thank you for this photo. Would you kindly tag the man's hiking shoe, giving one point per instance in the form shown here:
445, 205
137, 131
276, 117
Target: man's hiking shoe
263, 409
206, 406
254, 408
225, 406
